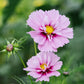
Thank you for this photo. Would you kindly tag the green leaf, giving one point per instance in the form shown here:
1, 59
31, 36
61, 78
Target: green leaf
9, 54
81, 67
13, 42
4, 50
18, 79
8, 42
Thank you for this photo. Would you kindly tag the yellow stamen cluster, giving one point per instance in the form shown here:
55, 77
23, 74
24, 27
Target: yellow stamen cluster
49, 29
43, 66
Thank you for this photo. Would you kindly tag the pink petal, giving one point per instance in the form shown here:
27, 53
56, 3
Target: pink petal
54, 59
34, 74
43, 78
47, 47
35, 19
33, 62
46, 21
53, 73
42, 56
51, 58
48, 57
63, 22
57, 65
38, 38
67, 32
28, 69
32, 69
53, 16
59, 41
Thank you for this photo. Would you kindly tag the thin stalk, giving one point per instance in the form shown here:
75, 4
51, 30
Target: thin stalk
35, 48
24, 66
21, 60
40, 82
63, 82
34, 45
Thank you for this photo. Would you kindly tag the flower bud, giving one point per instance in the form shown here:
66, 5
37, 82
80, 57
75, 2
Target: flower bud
9, 47
65, 73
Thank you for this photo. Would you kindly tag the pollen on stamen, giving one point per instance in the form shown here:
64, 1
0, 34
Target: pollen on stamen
49, 29
43, 66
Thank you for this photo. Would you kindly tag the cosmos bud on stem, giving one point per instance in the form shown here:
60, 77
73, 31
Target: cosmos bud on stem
65, 73
9, 47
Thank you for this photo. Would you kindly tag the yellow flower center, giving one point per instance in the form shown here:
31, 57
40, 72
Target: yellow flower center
43, 66
49, 29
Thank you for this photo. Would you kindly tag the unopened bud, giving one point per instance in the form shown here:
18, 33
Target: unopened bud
9, 47
65, 73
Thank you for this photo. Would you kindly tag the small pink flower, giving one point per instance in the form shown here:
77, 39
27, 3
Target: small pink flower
50, 29
44, 65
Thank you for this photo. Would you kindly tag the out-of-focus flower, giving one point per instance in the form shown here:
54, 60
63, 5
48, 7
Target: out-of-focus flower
44, 65
11, 48
38, 3
65, 73
3, 3
51, 29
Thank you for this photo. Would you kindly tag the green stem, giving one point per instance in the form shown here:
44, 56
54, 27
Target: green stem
24, 66
22, 40
40, 82
30, 79
35, 48
21, 60
63, 82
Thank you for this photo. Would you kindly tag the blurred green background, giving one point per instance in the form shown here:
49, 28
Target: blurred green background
13, 16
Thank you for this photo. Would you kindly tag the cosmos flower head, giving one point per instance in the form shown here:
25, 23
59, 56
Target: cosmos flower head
43, 66
51, 29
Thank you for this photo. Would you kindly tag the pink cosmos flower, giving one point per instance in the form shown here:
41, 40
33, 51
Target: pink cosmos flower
44, 65
51, 29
